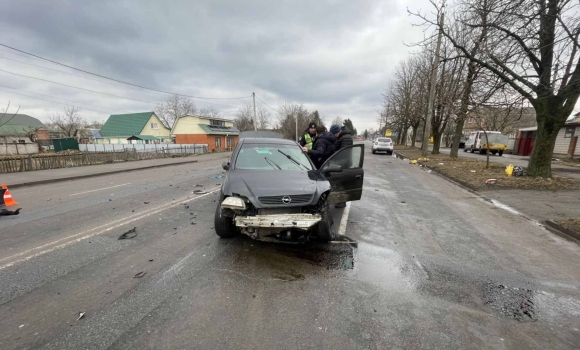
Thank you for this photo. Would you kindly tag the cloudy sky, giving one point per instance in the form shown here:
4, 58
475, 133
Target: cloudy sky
335, 56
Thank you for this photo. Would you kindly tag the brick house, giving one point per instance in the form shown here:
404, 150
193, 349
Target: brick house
217, 133
20, 134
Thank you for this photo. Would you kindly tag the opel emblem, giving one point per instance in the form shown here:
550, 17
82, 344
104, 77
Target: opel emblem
286, 200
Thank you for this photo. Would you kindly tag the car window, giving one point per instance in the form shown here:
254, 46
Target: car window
272, 157
382, 139
348, 158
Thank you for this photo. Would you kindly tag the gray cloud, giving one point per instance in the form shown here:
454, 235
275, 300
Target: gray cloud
334, 56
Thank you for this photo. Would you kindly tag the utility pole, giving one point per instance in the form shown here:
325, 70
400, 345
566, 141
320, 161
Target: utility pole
427, 131
297, 127
255, 121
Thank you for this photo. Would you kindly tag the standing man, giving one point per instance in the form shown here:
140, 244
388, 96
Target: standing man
323, 147
343, 136
307, 139
343, 139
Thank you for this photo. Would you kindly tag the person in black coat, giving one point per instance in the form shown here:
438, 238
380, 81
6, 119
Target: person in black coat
323, 148
343, 136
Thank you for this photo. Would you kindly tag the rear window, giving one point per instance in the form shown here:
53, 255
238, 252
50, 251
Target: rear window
383, 139
272, 157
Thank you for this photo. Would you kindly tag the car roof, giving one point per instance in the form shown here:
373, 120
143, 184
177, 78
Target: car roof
259, 140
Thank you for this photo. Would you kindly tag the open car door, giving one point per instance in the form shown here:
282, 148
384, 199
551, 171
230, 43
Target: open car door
344, 171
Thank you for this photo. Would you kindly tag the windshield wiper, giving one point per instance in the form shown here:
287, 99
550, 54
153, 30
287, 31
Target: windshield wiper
271, 162
293, 160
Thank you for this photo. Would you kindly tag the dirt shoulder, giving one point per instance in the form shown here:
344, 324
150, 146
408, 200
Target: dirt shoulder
474, 174
572, 224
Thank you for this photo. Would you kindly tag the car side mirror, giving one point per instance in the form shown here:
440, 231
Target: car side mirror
331, 169
226, 165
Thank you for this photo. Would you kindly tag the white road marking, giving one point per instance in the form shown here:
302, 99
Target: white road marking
49, 247
344, 220
505, 207
100, 189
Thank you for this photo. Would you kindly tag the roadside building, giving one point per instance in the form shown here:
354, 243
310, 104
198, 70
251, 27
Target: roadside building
143, 127
219, 134
19, 134
566, 142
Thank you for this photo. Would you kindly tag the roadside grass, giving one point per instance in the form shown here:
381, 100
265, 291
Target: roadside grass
572, 224
570, 162
473, 174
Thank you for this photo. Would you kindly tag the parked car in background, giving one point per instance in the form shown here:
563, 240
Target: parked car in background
382, 144
462, 142
495, 142
273, 191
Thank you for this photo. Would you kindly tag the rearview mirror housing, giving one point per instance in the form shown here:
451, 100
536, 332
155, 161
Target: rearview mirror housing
226, 165
331, 169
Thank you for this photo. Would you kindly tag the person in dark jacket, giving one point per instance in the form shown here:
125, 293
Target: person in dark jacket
343, 139
323, 148
343, 136
307, 139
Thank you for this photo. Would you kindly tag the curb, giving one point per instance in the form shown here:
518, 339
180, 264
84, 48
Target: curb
562, 231
62, 179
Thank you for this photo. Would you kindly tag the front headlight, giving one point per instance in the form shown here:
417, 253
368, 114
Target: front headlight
235, 203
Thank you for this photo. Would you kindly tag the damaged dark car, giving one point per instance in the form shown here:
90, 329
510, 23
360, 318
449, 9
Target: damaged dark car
273, 191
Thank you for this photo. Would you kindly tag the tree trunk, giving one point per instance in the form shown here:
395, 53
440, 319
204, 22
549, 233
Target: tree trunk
436, 142
414, 135
548, 127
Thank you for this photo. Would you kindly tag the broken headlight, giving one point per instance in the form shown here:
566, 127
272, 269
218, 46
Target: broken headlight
234, 203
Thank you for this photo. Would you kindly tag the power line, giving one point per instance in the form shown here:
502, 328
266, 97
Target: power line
74, 87
266, 104
38, 98
58, 98
97, 92
123, 82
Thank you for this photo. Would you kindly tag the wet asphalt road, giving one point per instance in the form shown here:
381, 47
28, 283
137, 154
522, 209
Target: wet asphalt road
436, 267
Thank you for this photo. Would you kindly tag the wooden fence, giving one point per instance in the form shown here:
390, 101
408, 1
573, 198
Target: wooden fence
57, 161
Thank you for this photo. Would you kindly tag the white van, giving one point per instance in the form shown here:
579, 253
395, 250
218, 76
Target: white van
477, 142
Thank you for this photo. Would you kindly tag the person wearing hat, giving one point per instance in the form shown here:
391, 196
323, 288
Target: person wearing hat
343, 136
307, 139
343, 139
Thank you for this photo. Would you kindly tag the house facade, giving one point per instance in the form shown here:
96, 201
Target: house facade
219, 134
566, 142
143, 127
19, 134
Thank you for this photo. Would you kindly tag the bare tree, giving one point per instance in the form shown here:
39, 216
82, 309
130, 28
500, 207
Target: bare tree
337, 120
244, 120
263, 117
174, 107
290, 114
6, 118
532, 46
208, 112
70, 121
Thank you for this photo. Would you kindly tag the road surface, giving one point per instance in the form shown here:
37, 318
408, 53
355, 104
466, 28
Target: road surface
436, 267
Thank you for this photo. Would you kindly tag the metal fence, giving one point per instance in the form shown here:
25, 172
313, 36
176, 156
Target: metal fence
146, 147
68, 160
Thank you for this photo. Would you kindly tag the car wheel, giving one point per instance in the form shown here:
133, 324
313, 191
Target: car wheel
494, 152
500, 153
325, 228
374, 151
390, 153
224, 226
465, 150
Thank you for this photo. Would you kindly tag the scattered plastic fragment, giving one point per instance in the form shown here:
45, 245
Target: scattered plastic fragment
217, 177
81, 315
139, 274
472, 171
129, 234
490, 181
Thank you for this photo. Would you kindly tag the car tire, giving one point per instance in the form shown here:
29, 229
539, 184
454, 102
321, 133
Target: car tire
500, 153
325, 229
465, 150
482, 151
374, 151
472, 149
224, 226
390, 153
494, 152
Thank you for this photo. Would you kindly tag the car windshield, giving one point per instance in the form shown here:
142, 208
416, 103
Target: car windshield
272, 157
382, 139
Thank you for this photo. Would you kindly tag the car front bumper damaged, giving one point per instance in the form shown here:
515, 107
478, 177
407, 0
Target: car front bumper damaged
303, 221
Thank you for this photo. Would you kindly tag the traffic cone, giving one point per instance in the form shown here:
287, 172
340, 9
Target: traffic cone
8, 200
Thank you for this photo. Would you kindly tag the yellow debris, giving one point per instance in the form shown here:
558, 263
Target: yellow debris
509, 170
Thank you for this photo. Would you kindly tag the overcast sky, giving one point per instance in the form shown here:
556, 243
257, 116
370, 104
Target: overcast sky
333, 56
